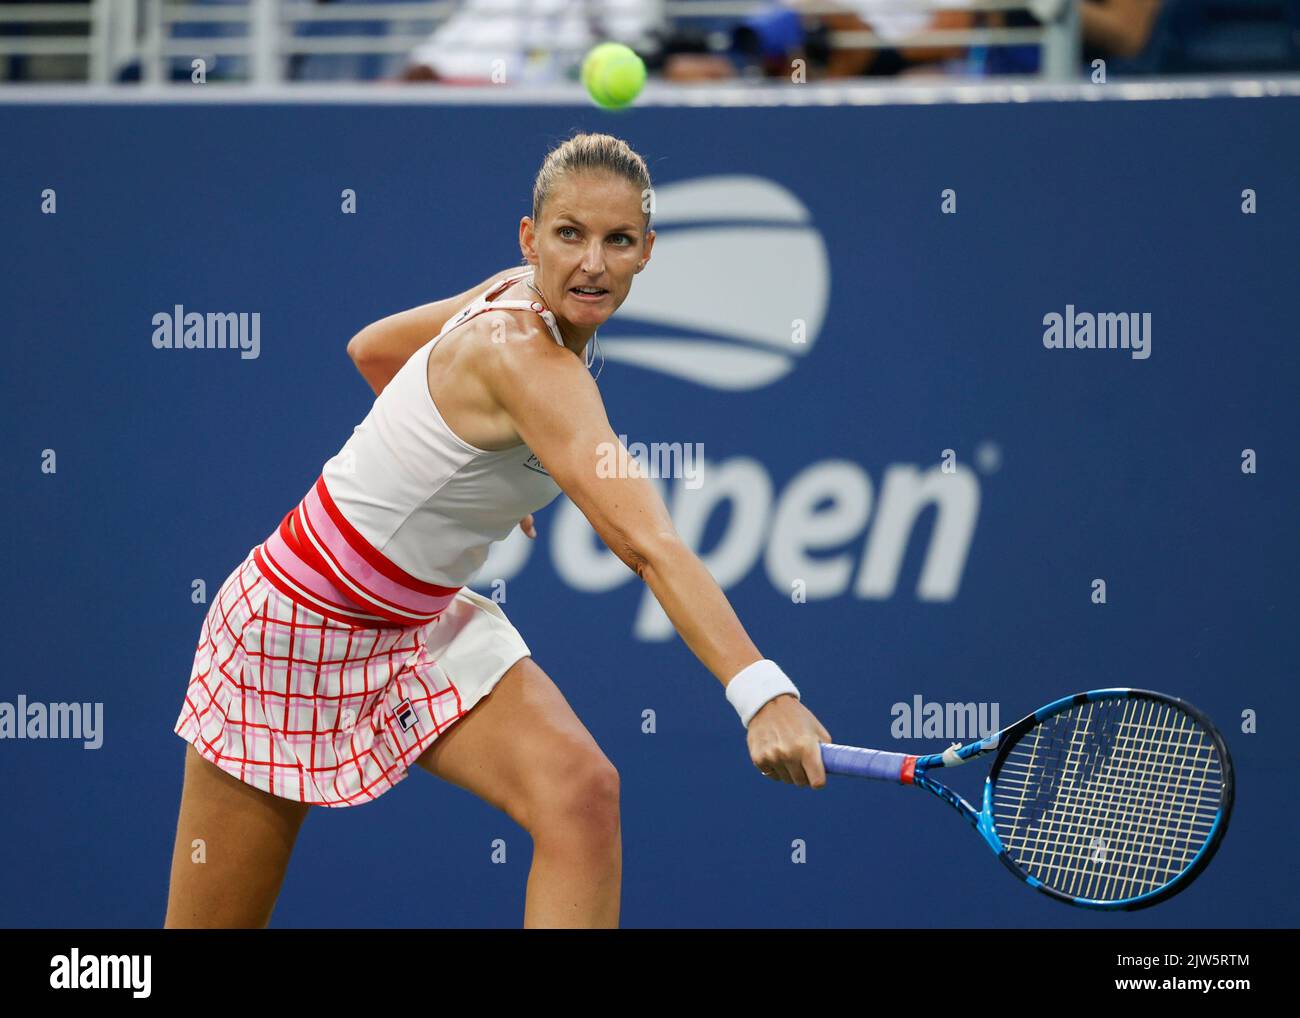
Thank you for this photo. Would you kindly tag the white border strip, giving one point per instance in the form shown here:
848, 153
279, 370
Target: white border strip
657, 94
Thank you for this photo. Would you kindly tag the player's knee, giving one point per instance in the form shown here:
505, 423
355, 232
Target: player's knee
579, 801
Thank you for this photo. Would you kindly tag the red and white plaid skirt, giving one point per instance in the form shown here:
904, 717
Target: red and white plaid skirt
329, 713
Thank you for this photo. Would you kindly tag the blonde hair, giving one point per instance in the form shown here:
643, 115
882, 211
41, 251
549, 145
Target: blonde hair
591, 153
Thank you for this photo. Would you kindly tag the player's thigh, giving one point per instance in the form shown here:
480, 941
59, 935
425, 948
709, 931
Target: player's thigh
523, 749
232, 848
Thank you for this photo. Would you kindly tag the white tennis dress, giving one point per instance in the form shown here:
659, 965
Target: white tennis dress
340, 648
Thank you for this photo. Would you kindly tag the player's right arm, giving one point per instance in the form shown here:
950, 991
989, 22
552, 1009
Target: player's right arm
554, 406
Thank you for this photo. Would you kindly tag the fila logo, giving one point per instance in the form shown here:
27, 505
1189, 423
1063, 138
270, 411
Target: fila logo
534, 464
405, 715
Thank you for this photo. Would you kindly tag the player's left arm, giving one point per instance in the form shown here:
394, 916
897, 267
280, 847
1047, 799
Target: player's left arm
381, 348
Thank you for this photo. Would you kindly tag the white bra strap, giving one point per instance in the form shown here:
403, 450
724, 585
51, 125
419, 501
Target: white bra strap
484, 304
512, 305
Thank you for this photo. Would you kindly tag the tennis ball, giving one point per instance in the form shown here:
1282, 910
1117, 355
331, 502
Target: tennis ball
613, 74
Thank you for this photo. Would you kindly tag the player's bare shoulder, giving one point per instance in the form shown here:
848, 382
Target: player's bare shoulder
475, 348
516, 342
501, 327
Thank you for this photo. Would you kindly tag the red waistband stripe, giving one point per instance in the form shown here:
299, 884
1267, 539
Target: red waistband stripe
329, 567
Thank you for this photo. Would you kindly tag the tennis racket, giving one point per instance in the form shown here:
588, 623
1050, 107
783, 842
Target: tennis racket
1110, 799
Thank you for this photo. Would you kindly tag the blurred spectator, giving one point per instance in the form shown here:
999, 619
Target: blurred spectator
766, 44
1116, 28
892, 24
516, 41
689, 54
985, 61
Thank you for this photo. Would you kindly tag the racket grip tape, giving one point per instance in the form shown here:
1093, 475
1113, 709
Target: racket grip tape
866, 763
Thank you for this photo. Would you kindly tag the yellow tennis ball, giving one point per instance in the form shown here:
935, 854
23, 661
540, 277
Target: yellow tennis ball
613, 74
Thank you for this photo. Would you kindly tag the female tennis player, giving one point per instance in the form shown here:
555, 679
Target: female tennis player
346, 646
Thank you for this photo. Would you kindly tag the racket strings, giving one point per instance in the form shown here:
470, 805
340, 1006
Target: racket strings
1109, 800
1063, 822
1136, 825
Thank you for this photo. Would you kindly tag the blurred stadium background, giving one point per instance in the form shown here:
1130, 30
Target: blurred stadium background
941, 181
269, 42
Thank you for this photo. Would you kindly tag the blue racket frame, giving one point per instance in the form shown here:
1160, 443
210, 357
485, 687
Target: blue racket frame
914, 770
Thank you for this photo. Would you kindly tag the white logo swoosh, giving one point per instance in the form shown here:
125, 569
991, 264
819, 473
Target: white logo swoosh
740, 281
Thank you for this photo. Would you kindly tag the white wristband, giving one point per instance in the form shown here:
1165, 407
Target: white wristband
753, 686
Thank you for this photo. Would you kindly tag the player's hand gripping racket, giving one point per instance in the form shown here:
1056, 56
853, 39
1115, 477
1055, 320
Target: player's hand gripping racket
1111, 799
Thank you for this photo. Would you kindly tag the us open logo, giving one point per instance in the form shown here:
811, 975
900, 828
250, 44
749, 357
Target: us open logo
743, 329
747, 327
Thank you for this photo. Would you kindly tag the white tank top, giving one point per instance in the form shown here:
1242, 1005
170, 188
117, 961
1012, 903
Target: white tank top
426, 500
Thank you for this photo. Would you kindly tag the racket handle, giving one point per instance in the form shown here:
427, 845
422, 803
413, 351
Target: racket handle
863, 763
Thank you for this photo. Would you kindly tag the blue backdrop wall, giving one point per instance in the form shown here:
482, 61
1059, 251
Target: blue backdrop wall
816, 320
